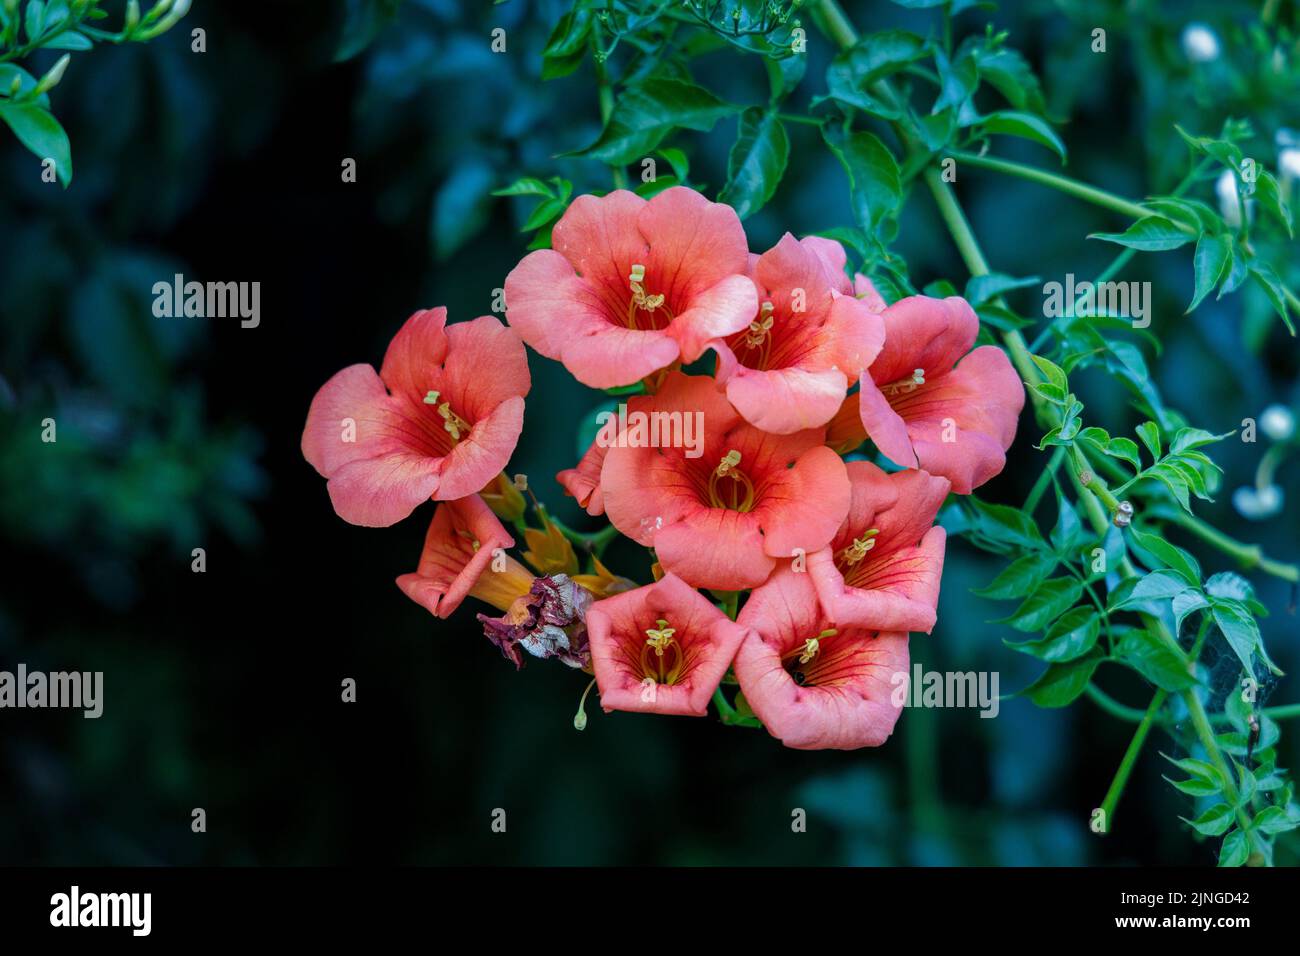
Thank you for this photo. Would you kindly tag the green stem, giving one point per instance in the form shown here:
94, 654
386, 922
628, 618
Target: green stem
594, 541
1125, 769
1072, 187
606, 94
1133, 716
1089, 479
1205, 733
830, 19
1113, 707
1040, 486
1247, 556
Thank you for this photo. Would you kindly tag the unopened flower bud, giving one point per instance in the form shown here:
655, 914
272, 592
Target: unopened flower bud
52, 77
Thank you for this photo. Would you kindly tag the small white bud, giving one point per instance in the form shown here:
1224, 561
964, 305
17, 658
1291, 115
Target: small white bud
1200, 43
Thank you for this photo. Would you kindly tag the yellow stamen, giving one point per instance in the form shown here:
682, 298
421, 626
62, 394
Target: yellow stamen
909, 384
640, 298
860, 546
660, 638
451, 421
729, 461
739, 494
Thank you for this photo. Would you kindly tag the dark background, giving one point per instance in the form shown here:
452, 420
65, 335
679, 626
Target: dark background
223, 688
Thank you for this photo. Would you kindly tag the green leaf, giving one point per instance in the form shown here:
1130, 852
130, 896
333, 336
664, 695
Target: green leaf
677, 160
979, 289
1200, 770
1071, 636
1122, 448
1171, 555
1211, 262
936, 130
756, 163
784, 74
1188, 602
1190, 212
1149, 432
38, 130
1011, 75
1274, 820
875, 56
958, 79
1060, 684
1238, 272
1156, 587
1235, 850
1239, 629
1188, 438
70, 40
1195, 786
1245, 785
874, 178
1268, 280
1214, 821
545, 212
1005, 525
26, 82
1270, 197
35, 20
1045, 603
1151, 234
526, 186
1020, 577
1155, 660
1231, 586
570, 33
649, 111
1068, 533
1051, 371
1025, 126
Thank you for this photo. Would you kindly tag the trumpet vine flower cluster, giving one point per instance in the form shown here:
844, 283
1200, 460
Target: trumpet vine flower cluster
782, 557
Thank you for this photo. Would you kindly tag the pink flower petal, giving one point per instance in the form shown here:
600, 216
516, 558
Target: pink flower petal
420, 345
925, 333
894, 586
716, 312
486, 365
378, 465
548, 303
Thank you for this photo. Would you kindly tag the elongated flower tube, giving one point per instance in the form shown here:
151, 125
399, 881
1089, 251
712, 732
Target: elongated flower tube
464, 556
